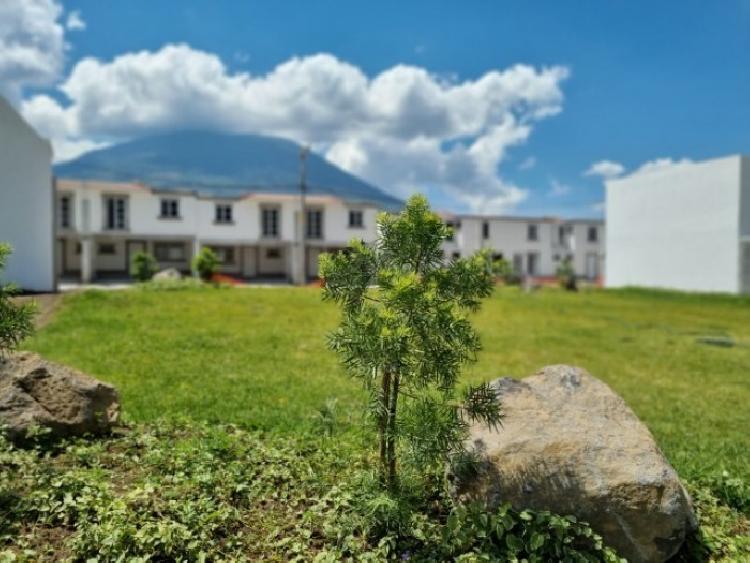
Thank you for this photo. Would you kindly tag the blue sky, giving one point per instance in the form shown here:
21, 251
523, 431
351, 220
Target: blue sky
644, 81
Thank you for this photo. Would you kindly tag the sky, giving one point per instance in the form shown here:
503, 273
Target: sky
513, 107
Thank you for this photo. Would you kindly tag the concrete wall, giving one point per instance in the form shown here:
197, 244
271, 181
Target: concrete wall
26, 200
675, 228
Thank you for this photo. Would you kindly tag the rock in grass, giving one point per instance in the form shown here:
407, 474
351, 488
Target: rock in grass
570, 445
35, 392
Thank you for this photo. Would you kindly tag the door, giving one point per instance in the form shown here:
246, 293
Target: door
746, 267
532, 264
592, 266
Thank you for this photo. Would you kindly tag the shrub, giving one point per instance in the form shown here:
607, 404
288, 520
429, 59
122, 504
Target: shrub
405, 334
143, 266
566, 274
504, 270
205, 264
16, 319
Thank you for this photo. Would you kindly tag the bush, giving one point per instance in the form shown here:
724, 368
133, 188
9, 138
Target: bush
566, 275
143, 266
16, 319
503, 269
205, 264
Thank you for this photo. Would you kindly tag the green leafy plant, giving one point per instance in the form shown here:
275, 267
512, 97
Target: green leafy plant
503, 269
143, 266
16, 319
566, 274
405, 334
205, 264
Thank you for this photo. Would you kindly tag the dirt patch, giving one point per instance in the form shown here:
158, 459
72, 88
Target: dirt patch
47, 304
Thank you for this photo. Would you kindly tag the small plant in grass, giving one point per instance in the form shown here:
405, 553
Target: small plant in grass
205, 264
503, 269
404, 332
16, 319
143, 266
566, 274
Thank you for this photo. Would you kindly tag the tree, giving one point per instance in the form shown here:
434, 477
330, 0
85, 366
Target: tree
503, 269
205, 264
143, 266
566, 274
404, 333
16, 319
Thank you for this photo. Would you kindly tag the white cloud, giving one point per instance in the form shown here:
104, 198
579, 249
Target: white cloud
32, 45
403, 129
607, 169
527, 163
75, 21
558, 189
660, 164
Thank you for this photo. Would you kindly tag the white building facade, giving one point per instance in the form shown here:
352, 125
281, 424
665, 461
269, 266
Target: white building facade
26, 203
101, 225
535, 246
684, 227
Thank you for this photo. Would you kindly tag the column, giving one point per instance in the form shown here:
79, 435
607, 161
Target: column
87, 260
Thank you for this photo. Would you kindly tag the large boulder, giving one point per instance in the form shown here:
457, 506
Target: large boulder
570, 445
35, 392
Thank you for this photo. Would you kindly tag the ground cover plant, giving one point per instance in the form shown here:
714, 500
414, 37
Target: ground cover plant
16, 319
257, 358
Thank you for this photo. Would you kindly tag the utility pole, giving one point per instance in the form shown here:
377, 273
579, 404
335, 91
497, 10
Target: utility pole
304, 151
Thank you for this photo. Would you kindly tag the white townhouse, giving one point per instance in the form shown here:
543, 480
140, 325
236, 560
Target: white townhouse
685, 227
100, 225
26, 202
535, 246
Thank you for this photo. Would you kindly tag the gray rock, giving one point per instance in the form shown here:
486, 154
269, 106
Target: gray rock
167, 275
570, 445
35, 392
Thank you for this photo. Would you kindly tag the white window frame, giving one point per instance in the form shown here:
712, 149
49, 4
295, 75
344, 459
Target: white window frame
223, 214
314, 228
112, 220
356, 224
270, 225
70, 223
532, 228
171, 205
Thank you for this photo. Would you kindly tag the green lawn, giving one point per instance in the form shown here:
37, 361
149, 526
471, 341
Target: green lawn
257, 357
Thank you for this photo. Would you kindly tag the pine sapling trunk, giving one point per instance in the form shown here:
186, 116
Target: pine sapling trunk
391, 449
383, 426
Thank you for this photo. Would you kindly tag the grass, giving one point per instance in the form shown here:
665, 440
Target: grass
257, 357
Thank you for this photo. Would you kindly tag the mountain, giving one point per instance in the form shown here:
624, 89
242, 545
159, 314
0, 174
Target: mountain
220, 165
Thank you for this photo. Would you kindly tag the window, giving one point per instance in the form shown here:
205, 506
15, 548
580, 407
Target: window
106, 249
223, 213
456, 255
225, 254
314, 223
532, 233
485, 230
593, 234
273, 253
497, 256
170, 209
170, 251
78, 249
66, 212
356, 220
269, 218
115, 213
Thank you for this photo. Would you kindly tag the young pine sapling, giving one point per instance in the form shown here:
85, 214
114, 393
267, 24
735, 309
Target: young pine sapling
16, 319
404, 332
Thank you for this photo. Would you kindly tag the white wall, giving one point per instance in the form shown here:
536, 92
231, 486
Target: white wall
26, 214
675, 228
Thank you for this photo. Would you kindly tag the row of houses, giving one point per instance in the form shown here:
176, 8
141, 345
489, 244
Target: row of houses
88, 228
